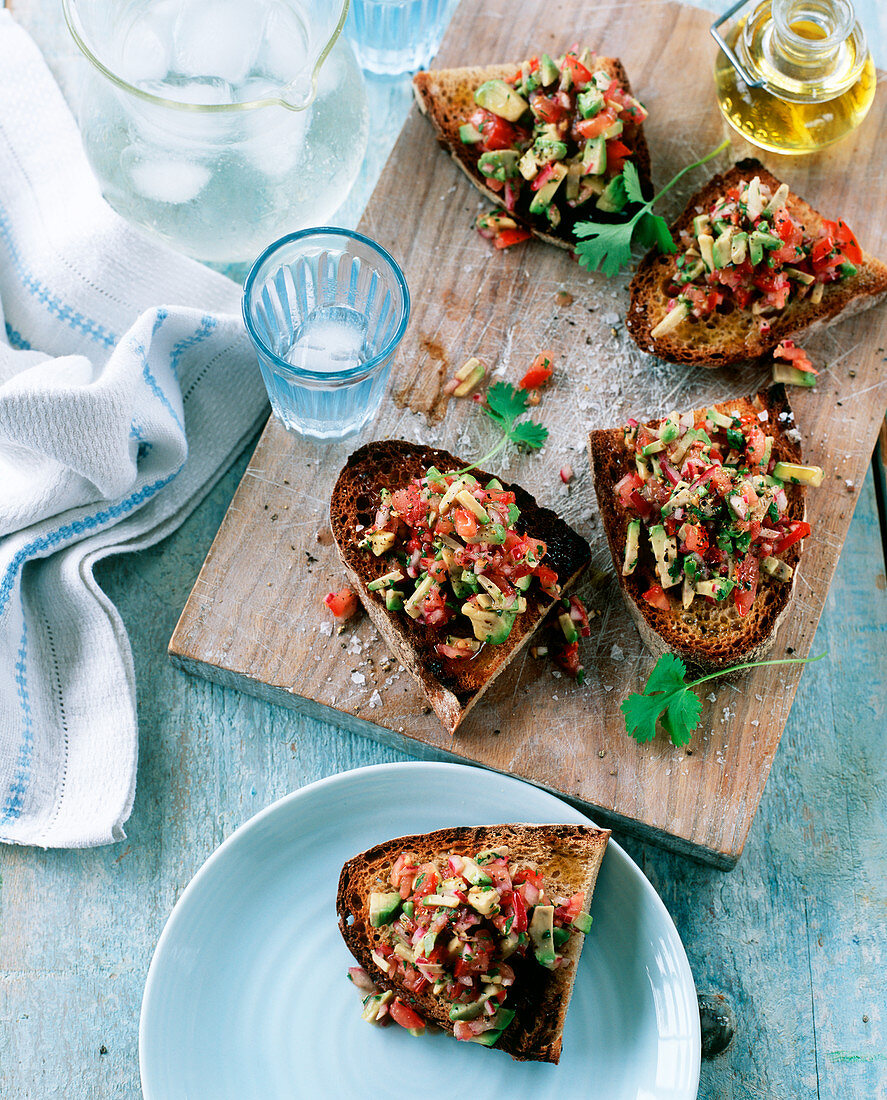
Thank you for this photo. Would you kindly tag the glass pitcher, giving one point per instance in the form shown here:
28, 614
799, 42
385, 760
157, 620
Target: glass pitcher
220, 125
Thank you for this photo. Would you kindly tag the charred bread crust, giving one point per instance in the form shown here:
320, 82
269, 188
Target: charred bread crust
446, 97
569, 856
706, 636
452, 686
731, 337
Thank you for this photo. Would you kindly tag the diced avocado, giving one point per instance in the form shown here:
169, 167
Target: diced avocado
386, 581
719, 588
614, 198
470, 1011
542, 198
583, 922
568, 627
768, 240
601, 80
785, 372
500, 164
561, 935
670, 428
632, 540
471, 373
484, 900
797, 474
489, 1038
409, 908
589, 102
469, 134
701, 224
435, 478
489, 626
666, 550
545, 150
706, 244
393, 599
800, 276
613, 130
377, 541
779, 197
541, 931
718, 419
413, 605
653, 448
548, 70
738, 247
493, 533
780, 570
523, 583
383, 908
722, 248
499, 97
594, 156
494, 485
527, 165
672, 319
472, 872
754, 202
373, 1003
471, 505
755, 250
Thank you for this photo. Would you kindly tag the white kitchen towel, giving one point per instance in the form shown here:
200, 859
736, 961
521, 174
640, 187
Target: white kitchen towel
127, 385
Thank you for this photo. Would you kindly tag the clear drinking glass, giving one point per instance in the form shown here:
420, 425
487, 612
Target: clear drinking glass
397, 36
220, 124
325, 309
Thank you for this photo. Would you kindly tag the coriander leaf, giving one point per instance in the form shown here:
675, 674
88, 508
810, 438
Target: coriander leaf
529, 435
632, 182
505, 403
669, 699
641, 712
608, 246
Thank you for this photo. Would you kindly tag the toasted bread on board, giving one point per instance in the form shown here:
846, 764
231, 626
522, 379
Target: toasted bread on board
568, 856
708, 635
446, 96
452, 686
724, 338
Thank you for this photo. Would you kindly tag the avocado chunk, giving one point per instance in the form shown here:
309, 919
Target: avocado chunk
470, 1011
393, 599
500, 98
548, 70
797, 474
568, 627
542, 934
500, 164
590, 102
632, 540
546, 150
543, 197
614, 198
666, 550
383, 908
719, 588
489, 626
722, 248
785, 372
594, 156
583, 922
489, 1038
470, 135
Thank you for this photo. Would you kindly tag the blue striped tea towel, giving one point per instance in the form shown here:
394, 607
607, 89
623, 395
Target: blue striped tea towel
127, 385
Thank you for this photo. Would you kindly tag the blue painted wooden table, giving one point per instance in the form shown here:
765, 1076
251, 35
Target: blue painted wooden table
794, 938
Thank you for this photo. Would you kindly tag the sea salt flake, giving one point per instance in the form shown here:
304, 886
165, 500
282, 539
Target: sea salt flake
617, 653
358, 678
326, 629
375, 699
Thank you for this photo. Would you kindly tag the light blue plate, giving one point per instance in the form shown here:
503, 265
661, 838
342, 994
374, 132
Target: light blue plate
247, 998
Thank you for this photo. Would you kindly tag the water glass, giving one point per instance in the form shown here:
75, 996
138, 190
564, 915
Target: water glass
397, 36
325, 309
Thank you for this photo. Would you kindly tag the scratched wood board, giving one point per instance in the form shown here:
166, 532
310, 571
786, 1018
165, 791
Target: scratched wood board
255, 619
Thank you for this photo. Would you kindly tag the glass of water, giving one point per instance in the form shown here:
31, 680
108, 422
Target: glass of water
325, 309
397, 36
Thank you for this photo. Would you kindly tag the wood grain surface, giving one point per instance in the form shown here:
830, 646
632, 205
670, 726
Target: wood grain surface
254, 619
794, 938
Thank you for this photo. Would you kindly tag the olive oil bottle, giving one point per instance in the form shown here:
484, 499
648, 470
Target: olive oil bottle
800, 76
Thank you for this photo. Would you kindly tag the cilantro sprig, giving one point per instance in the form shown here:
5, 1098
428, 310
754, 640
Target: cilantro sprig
505, 406
668, 698
608, 246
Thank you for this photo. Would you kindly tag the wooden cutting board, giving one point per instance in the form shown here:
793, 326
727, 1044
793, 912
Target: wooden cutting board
255, 619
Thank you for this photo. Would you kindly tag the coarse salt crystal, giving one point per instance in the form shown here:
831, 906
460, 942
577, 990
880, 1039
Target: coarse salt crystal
358, 678
617, 653
326, 629
375, 699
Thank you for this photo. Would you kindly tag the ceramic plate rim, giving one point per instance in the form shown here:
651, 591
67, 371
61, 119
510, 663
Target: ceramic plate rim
206, 869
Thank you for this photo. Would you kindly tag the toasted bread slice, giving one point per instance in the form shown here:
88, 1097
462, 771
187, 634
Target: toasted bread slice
452, 686
446, 96
724, 338
568, 856
706, 634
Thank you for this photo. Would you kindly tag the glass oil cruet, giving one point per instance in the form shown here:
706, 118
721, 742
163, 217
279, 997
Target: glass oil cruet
794, 75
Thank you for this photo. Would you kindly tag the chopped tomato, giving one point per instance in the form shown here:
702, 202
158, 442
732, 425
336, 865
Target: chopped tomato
696, 539
497, 133
343, 603
580, 616
426, 881
656, 597
578, 71
571, 910
409, 505
796, 531
823, 253
405, 1016
592, 127
434, 609
844, 236
505, 238
520, 913
641, 505
547, 108
567, 658
746, 576
436, 569
466, 523
547, 579
543, 177
453, 652
626, 486
540, 371
617, 151
795, 355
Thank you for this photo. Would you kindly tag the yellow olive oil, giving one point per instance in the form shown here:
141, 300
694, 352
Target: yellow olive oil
819, 77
